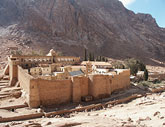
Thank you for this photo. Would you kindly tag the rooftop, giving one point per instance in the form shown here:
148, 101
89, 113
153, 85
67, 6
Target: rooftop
76, 73
99, 63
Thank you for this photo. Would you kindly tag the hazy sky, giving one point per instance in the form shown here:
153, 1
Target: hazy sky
154, 7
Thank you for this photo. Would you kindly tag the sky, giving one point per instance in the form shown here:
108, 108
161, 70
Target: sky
154, 7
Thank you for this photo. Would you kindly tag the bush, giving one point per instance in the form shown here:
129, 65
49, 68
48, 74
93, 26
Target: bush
134, 65
118, 65
145, 83
17, 52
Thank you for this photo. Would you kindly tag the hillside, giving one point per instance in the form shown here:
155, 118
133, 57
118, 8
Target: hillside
104, 27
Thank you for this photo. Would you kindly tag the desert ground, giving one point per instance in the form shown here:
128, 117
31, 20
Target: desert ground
147, 111
143, 112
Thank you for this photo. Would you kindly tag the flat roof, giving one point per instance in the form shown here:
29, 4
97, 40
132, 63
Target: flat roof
76, 73
96, 63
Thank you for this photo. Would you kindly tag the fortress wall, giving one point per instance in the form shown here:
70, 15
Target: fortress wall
13, 73
99, 86
34, 94
52, 92
80, 88
116, 83
44, 92
120, 81
25, 81
126, 78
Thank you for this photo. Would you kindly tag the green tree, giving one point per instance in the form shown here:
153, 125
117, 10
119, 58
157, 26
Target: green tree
132, 64
93, 57
12, 53
90, 56
103, 59
18, 52
97, 58
145, 74
106, 59
118, 65
141, 66
85, 55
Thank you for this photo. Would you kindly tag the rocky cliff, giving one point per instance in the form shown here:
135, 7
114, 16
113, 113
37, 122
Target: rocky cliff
104, 27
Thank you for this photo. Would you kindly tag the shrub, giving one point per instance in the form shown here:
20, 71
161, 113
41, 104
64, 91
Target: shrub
145, 83
118, 65
134, 65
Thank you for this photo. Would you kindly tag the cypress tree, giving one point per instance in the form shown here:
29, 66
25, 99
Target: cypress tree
90, 56
145, 74
93, 57
85, 55
100, 58
103, 58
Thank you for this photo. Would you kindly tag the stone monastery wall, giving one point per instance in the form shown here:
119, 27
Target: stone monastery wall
55, 92
80, 88
99, 86
120, 81
25, 80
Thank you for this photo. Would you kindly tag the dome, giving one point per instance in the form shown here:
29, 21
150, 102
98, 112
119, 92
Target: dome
52, 53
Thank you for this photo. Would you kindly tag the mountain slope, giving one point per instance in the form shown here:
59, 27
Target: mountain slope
102, 26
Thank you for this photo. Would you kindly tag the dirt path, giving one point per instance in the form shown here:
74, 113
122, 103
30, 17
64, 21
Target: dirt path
143, 112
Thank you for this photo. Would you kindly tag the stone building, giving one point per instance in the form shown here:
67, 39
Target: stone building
62, 81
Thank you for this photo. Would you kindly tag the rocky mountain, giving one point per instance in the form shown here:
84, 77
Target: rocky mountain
104, 27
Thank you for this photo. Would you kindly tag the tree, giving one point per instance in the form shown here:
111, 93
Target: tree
100, 58
97, 58
141, 66
103, 59
18, 52
134, 69
135, 65
132, 64
106, 59
118, 65
85, 55
90, 56
145, 74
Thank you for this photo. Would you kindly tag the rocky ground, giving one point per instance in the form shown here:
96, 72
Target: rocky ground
156, 69
143, 112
